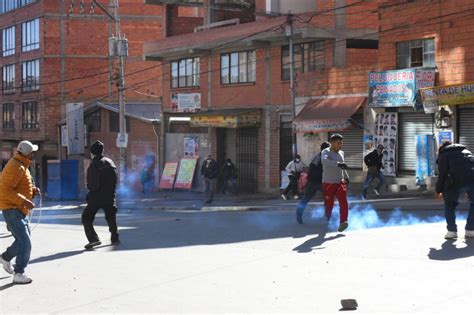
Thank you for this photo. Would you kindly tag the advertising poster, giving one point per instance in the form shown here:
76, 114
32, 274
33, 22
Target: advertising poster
191, 146
425, 161
445, 135
75, 128
186, 169
397, 88
168, 176
386, 131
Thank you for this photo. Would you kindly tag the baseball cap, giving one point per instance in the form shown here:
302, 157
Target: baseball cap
26, 147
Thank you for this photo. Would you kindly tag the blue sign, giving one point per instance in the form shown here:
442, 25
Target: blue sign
398, 88
425, 158
445, 135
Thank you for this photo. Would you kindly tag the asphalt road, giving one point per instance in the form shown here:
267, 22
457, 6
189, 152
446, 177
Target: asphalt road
212, 261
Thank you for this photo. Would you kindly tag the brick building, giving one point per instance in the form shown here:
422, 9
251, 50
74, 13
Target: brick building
237, 79
427, 36
57, 52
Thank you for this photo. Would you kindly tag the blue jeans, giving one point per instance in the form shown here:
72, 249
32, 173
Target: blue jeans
310, 190
370, 177
451, 197
21, 247
233, 181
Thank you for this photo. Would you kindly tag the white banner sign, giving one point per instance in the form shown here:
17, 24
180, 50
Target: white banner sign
75, 128
186, 102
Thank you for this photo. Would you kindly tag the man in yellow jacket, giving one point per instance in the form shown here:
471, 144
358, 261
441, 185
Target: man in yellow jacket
16, 200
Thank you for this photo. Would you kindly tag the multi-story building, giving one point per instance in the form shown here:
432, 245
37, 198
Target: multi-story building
229, 85
432, 40
57, 52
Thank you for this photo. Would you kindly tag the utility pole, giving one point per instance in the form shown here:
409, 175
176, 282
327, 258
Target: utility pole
121, 45
289, 34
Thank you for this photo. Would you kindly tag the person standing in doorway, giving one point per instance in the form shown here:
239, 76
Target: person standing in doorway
16, 200
294, 169
230, 175
209, 171
315, 176
373, 160
101, 182
334, 181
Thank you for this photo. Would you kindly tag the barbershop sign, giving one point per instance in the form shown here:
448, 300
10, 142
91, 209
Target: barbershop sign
397, 88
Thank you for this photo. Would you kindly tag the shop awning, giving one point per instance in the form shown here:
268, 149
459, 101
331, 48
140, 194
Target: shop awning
329, 114
227, 118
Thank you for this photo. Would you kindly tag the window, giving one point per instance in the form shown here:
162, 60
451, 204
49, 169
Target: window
30, 35
8, 79
7, 116
30, 75
308, 57
8, 41
93, 122
114, 125
29, 115
185, 73
9, 5
238, 67
416, 53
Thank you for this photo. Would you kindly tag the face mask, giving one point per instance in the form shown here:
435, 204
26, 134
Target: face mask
228, 164
297, 160
92, 156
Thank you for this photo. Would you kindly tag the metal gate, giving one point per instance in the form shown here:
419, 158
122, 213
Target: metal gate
466, 130
353, 144
247, 159
410, 125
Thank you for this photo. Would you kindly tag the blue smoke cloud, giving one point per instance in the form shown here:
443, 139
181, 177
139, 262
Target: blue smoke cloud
363, 217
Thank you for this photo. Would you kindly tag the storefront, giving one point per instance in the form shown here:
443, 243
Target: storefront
396, 122
337, 114
236, 133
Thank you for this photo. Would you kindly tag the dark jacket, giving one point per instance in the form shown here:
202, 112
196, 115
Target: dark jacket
454, 167
229, 170
373, 159
315, 172
210, 170
101, 181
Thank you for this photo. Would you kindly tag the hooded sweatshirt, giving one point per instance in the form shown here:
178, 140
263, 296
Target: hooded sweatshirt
332, 174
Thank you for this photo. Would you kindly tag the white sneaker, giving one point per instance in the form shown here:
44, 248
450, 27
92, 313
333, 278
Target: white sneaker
21, 278
469, 234
283, 197
451, 235
296, 197
7, 266
377, 192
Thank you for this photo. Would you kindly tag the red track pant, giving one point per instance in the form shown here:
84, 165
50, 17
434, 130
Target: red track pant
340, 192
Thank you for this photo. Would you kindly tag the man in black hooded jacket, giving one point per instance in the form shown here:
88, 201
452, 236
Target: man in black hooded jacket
101, 182
455, 176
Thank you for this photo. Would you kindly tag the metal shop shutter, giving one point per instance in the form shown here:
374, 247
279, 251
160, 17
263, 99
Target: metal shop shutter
353, 145
466, 128
411, 124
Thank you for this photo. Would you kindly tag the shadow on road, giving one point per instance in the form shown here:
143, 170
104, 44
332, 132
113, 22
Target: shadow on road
315, 242
449, 251
56, 256
6, 286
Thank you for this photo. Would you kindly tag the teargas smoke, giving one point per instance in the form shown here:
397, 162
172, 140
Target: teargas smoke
363, 217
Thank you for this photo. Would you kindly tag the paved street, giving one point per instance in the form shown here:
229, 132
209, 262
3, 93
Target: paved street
214, 261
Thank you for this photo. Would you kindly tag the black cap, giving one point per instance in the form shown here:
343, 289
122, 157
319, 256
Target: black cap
97, 148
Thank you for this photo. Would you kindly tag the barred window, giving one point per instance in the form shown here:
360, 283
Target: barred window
30, 75
8, 79
30, 35
8, 41
8, 116
29, 115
